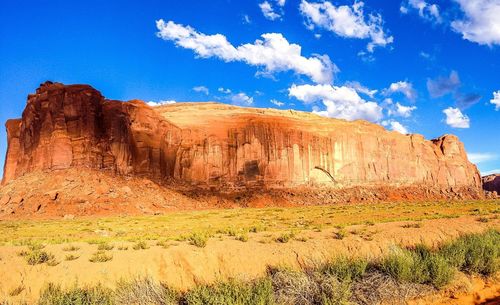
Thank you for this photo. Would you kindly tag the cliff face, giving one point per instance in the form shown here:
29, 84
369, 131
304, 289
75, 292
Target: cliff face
491, 183
223, 147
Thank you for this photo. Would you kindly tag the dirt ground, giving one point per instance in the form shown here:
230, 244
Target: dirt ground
183, 265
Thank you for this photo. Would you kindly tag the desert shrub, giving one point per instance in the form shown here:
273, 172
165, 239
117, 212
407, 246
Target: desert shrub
259, 292
285, 237
399, 265
54, 295
483, 219
344, 268
71, 257
140, 245
198, 239
122, 247
36, 257
414, 225
419, 265
242, 237
100, 257
308, 288
71, 248
144, 291
105, 246
340, 234
475, 253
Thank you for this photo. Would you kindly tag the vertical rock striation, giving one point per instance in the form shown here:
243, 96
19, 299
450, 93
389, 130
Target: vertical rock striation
222, 146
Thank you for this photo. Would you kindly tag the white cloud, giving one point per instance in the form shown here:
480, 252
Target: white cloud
405, 88
360, 88
481, 22
281, 2
274, 53
455, 118
496, 100
201, 89
268, 11
396, 126
490, 172
224, 90
402, 111
425, 10
242, 99
341, 102
246, 19
160, 103
481, 157
277, 103
346, 21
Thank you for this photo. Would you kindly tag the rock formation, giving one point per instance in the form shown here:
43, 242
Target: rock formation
491, 183
209, 144
226, 148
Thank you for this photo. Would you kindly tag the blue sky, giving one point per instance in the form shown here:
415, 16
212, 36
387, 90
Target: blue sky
428, 67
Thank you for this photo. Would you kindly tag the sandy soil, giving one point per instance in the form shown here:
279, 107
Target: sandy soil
182, 265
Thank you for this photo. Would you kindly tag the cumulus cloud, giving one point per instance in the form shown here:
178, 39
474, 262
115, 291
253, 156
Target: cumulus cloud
346, 21
360, 88
273, 53
403, 87
340, 102
160, 103
268, 11
496, 100
481, 157
242, 99
401, 110
455, 118
480, 23
425, 10
201, 89
396, 126
277, 103
443, 85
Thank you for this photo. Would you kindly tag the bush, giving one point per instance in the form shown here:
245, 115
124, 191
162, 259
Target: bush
475, 253
36, 257
284, 238
71, 257
340, 234
419, 265
198, 239
345, 269
232, 292
53, 295
71, 248
105, 246
144, 291
100, 257
242, 237
140, 245
308, 288
399, 265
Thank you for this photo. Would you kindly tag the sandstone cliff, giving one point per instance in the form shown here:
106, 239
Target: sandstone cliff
222, 147
491, 183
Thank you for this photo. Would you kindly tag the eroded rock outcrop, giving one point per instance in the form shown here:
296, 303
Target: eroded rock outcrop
491, 183
223, 147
